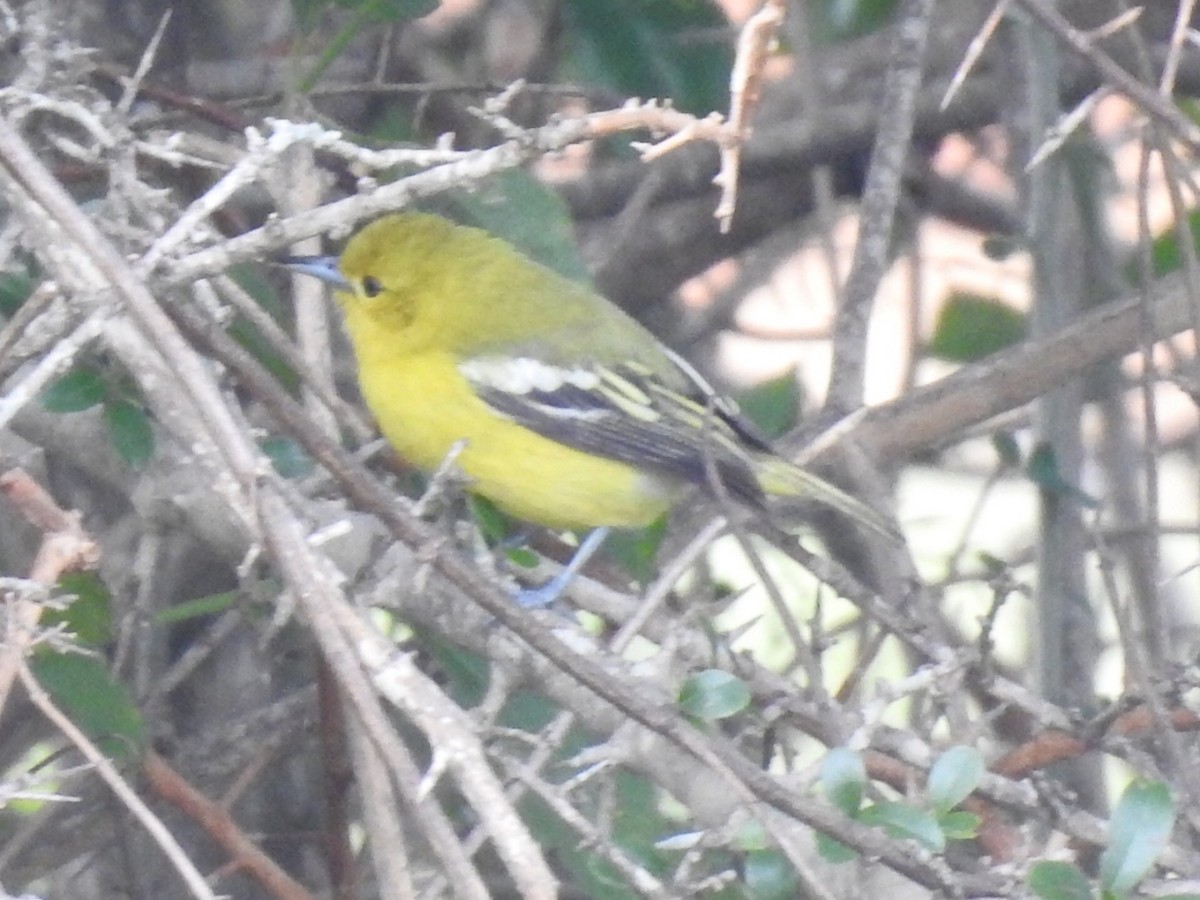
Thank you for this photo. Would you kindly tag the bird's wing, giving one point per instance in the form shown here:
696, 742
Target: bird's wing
673, 424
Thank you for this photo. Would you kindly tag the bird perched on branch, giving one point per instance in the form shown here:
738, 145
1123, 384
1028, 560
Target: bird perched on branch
573, 415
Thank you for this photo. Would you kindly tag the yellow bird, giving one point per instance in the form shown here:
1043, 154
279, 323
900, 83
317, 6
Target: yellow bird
573, 415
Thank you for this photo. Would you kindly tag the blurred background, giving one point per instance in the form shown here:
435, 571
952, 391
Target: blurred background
1052, 538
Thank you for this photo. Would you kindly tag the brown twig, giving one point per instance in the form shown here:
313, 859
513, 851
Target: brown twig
1056, 745
35, 503
119, 786
65, 547
337, 781
219, 825
745, 87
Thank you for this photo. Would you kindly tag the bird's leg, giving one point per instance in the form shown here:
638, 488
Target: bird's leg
536, 598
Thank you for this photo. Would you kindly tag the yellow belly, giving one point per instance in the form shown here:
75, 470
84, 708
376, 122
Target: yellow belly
423, 405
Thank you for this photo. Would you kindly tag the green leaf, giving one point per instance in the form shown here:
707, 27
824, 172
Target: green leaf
676, 49
713, 694
994, 566
1165, 255
261, 283
254, 281
366, 13
307, 12
287, 457
959, 825
130, 431
529, 711
80, 389
635, 826
100, 706
768, 875
89, 615
523, 557
844, 779
903, 820
252, 341
519, 208
391, 10
1058, 881
492, 523
637, 549
999, 247
1042, 469
970, 328
841, 20
497, 530
464, 675
602, 876
953, 776
773, 405
834, 851
752, 835
1007, 449
1140, 827
15, 289
211, 605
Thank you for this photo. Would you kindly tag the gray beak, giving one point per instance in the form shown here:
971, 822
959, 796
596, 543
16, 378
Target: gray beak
323, 267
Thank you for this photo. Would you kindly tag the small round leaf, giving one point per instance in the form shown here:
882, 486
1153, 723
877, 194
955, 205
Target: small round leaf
1007, 448
769, 876
130, 431
844, 778
1139, 829
902, 820
959, 825
970, 328
713, 694
833, 850
89, 616
287, 456
94, 700
76, 391
952, 778
1059, 881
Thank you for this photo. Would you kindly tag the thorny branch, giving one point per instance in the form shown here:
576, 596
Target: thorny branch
171, 346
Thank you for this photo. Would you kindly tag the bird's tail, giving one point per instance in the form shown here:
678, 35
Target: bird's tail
779, 478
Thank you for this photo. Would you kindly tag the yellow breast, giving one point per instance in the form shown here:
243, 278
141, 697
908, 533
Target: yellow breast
424, 406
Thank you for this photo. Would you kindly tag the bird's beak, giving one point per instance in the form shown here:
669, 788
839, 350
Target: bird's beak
323, 267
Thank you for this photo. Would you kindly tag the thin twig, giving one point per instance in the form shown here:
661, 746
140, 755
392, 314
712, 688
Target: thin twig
1146, 98
880, 198
119, 786
217, 824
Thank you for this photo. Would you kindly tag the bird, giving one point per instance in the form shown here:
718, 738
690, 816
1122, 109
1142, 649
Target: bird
566, 411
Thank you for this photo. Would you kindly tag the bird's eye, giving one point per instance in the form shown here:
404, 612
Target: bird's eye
371, 286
